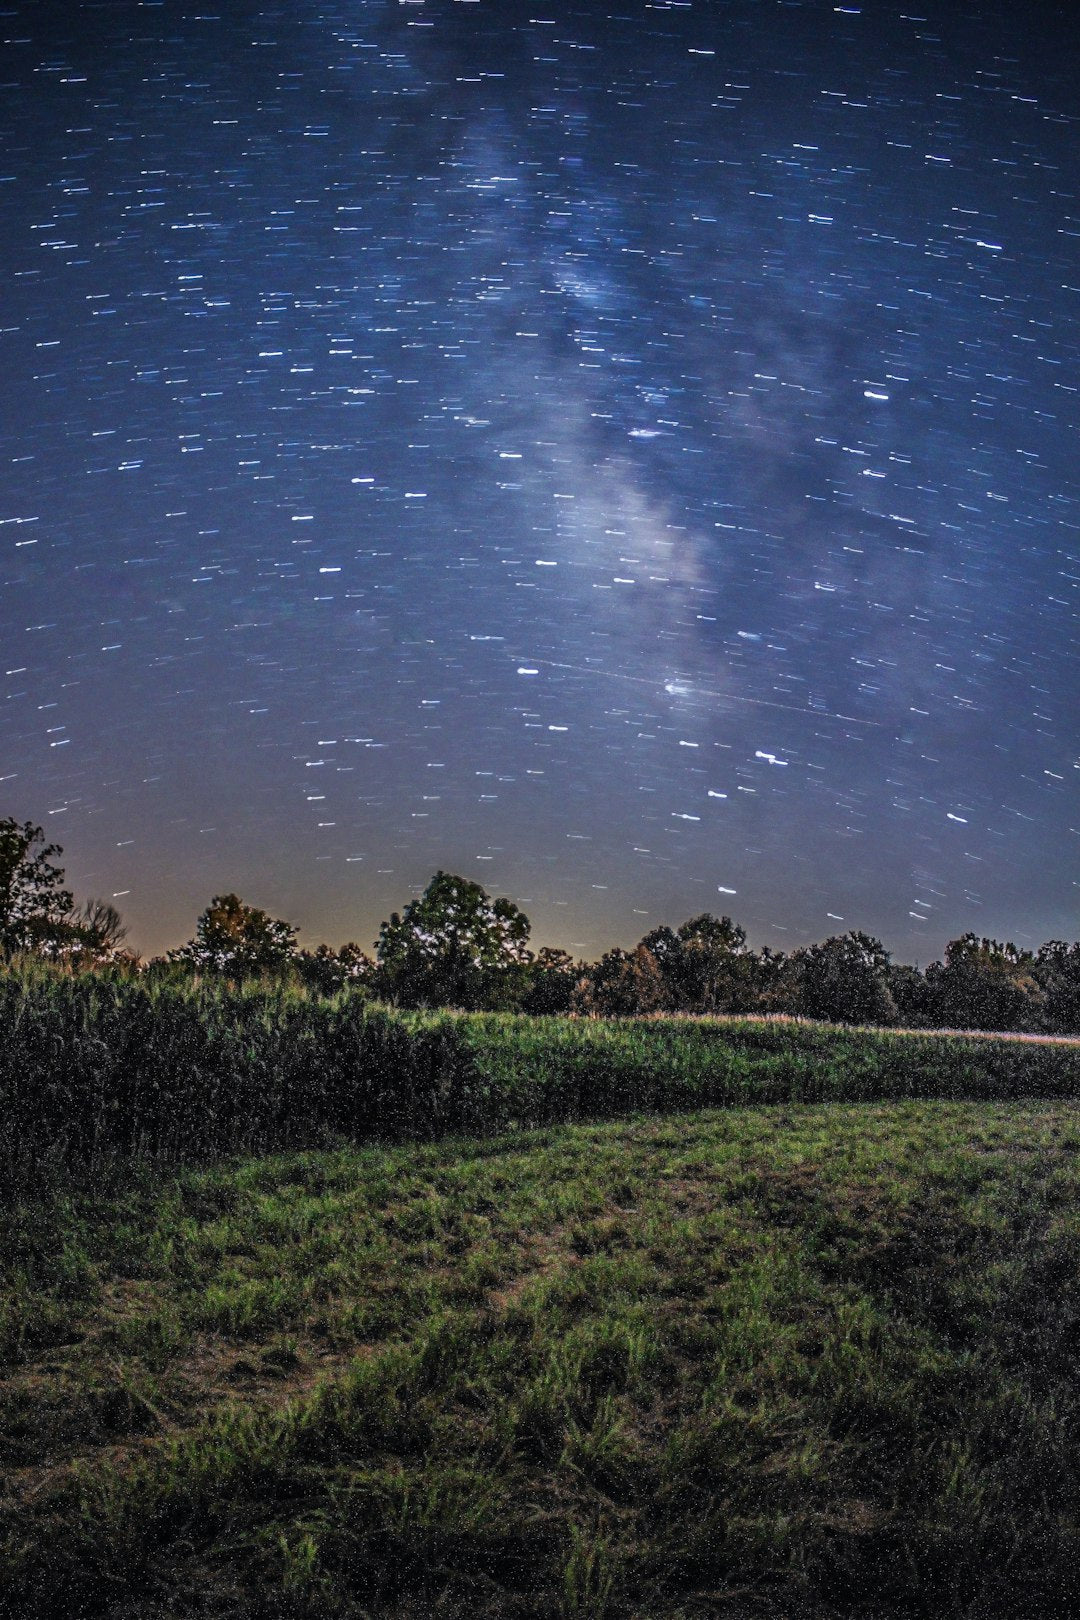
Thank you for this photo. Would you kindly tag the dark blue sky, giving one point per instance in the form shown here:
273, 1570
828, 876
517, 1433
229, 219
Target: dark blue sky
625, 455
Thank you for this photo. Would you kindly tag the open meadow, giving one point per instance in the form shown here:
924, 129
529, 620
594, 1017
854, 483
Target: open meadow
799, 1359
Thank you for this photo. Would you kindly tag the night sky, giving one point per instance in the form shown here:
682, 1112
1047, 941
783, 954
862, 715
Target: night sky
626, 455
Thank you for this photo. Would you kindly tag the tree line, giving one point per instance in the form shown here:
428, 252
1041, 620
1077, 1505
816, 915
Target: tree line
455, 946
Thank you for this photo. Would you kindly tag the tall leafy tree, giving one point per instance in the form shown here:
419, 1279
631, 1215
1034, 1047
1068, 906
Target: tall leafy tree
986, 984
844, 979
237, 940
449, 944
33, 898
625, 984
1057, 972
706, 964
553, 978
912, 995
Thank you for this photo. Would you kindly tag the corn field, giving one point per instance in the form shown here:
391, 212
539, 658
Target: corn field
97, 1069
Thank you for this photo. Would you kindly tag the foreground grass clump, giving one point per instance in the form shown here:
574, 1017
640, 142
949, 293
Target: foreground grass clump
805, 1360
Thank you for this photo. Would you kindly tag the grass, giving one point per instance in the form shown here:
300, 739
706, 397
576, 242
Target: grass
800, 1360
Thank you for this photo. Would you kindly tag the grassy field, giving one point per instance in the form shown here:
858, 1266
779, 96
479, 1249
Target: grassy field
798, 1360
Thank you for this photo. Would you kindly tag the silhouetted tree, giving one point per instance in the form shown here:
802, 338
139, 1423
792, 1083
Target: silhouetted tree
624, 984
237, 940
985, 984
93, 936
33, 899
773, 982
709, 971
328, 971
663, 944
450, 945
844, 979
504, 989
1057, 972
553, 978
913, 996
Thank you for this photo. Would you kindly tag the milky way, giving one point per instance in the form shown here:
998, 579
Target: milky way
628, 458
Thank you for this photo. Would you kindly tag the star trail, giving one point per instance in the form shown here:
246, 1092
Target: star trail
625, 456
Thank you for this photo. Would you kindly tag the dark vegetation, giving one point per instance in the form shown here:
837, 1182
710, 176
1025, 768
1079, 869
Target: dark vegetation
453, 946
94, 1069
